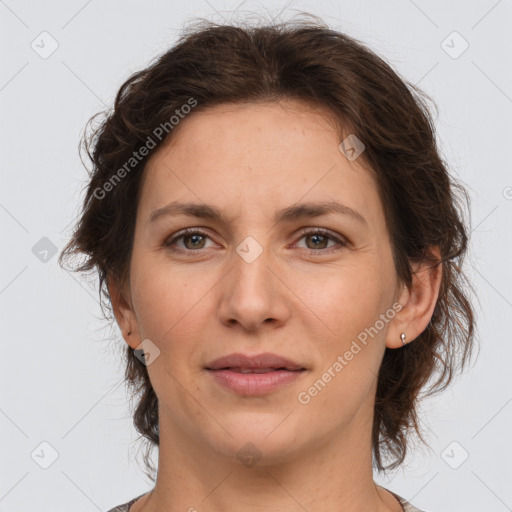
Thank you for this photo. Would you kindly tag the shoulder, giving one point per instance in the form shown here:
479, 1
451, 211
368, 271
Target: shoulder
125, 507
408, 507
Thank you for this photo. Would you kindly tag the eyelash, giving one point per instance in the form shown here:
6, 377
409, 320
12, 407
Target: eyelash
170, 243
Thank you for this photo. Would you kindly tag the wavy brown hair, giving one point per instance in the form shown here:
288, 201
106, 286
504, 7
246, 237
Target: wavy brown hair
301, 60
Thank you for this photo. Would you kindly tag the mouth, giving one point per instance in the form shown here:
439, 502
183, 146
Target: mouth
246, 370
250, 382
257, 363
253, 375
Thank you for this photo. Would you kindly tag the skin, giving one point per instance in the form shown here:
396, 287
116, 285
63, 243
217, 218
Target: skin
305, 298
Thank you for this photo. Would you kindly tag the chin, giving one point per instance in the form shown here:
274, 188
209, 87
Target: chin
260, 444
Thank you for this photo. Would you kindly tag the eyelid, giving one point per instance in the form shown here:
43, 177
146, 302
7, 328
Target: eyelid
313, 230
184, 232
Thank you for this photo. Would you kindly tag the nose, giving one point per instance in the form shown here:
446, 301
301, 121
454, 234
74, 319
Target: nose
253, 293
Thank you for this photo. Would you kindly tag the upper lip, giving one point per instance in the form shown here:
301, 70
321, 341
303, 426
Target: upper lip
265, 360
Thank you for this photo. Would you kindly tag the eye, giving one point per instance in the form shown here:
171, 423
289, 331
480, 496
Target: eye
193, 239
319, 237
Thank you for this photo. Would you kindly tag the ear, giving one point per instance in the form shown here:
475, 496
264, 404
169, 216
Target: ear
418, 302
123, 311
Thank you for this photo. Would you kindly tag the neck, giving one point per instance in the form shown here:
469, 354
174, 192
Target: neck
333, 474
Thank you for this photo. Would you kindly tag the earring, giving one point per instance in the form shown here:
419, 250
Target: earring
402, 337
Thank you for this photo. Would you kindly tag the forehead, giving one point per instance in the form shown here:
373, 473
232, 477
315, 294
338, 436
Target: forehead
257, 156
242, 131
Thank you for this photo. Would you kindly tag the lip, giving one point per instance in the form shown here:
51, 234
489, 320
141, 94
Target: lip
256, 361
274, 371
253, 384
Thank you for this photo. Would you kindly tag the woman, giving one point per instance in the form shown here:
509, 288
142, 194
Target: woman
280, 244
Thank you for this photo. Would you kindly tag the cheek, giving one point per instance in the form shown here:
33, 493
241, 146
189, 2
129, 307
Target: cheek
163, 294
344, 301
173, 308
346, 324
351, 355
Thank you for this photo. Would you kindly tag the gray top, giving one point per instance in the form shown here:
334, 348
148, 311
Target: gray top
408, 507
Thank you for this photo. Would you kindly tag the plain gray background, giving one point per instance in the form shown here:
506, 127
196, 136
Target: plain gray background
61, 377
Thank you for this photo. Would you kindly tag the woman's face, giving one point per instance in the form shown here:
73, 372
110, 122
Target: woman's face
252, 282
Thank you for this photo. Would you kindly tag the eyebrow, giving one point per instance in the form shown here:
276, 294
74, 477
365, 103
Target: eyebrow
294, 212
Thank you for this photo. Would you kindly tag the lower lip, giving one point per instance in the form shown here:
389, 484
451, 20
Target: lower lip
254, 383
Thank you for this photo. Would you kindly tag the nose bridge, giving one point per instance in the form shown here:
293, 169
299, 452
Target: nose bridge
251, 273
251, 294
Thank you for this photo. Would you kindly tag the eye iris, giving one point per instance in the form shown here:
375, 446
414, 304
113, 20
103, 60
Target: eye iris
189, 237
316, 236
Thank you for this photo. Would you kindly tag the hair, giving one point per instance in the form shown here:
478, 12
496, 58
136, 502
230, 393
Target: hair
305, 61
